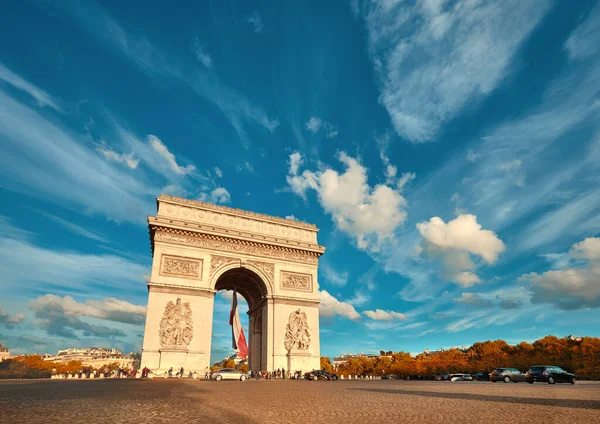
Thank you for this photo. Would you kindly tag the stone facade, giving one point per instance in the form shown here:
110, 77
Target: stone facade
199, 249
4, 353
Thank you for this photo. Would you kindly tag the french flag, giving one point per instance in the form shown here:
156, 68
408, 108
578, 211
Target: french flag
237, 332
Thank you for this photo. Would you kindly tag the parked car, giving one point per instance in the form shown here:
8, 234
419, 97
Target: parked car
507, 375
444, 376
461, 377
390, 377
228, 374
549, 374
320, 375
481, 376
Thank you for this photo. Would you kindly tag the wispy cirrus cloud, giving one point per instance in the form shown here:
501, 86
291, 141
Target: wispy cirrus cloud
236, 107
255, 21
435, 57
41, 97
28, 268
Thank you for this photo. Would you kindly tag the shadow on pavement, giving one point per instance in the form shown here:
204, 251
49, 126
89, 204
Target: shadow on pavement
565, 403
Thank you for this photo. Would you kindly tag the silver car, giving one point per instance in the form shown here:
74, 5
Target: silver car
228, 374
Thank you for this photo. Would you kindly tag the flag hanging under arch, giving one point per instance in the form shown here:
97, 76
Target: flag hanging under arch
237, 332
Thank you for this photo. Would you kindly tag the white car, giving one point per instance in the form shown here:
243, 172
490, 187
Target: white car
228, 374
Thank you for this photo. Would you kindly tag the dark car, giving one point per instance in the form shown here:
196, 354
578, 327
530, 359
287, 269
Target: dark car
390, 377
320, 375
444, 376
549, 374
507, 375
481, 376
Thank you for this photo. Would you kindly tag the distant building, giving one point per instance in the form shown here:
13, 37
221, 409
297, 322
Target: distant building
343, 359
96, 357
4, 353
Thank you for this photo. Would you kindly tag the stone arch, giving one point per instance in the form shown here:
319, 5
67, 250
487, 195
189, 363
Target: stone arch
256, 273
199, 249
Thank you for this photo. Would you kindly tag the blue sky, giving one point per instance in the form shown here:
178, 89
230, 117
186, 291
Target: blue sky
448, 151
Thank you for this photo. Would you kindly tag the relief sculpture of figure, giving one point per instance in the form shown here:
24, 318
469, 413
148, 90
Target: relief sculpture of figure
176, 325
297, 334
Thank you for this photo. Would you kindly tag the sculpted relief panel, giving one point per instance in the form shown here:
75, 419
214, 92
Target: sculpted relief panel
181, 267
267, 268
295, 281
176, 327
217, 262
297, 335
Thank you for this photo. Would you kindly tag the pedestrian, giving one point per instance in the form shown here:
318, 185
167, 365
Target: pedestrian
170, 372
181, 372
283, 373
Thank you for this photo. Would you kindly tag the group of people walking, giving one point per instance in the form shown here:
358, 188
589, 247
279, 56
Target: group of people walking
278, 374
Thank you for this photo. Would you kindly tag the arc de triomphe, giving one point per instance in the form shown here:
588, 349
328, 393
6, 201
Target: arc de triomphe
199, 249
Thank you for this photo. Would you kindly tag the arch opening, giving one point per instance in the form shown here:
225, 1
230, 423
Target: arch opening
252, 289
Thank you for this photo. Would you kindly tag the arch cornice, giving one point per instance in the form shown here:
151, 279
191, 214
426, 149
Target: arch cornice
204, 239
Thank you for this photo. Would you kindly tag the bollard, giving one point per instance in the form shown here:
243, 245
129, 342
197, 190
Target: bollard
101, 375
92, 376
341, 377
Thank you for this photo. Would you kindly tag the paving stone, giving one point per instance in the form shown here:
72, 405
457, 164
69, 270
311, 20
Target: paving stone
167, 401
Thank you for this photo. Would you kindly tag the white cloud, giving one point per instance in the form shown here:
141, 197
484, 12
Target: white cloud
472, 299
201, 53
510, 166
218, 172
573, 287
62, 316
245, 167
126, 159
330, 307
371, 214
291, 218
588, 249
255, 20
454, 243
381, 315
466, 279
314, 124
160, 148
9, 321
109, 309
42, 98
433, 59
332, 276
219, 195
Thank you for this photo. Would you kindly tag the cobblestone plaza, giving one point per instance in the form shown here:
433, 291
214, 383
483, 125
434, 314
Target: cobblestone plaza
164, 401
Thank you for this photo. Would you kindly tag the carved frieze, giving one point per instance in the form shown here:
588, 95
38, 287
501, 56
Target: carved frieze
217, 262
267, 268
181, 267
297, 335
229, 245
176, 327
229, 212
295, 281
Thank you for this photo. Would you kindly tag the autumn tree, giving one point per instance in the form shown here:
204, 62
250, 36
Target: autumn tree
326, 364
